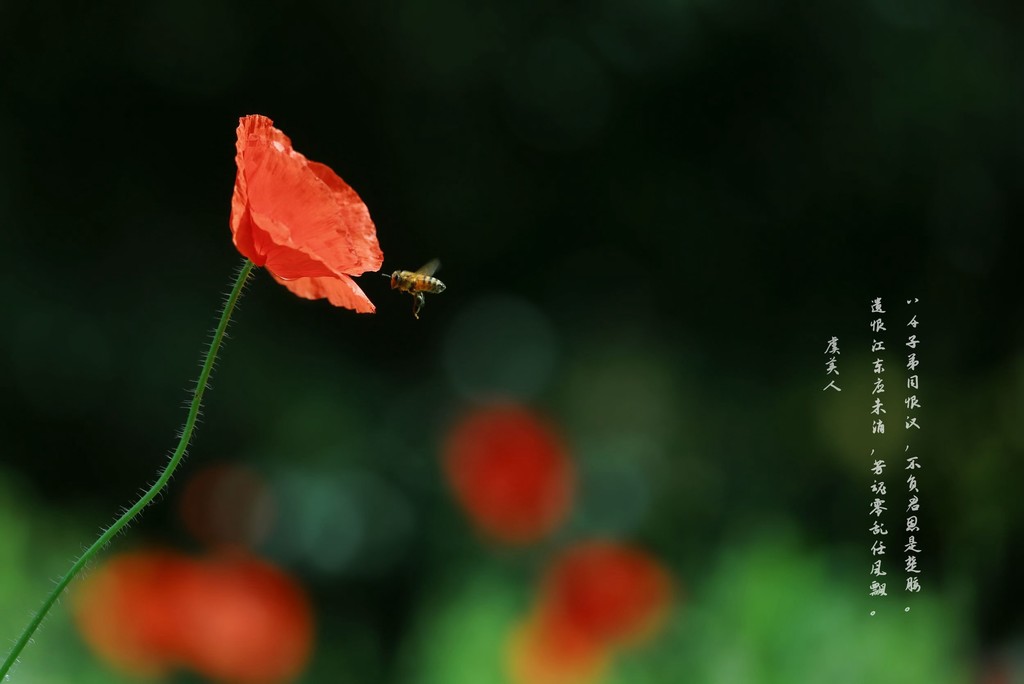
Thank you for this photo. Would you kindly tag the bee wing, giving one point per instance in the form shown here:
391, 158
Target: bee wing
429, 268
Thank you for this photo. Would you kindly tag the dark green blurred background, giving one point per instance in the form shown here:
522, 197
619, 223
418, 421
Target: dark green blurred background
652, 215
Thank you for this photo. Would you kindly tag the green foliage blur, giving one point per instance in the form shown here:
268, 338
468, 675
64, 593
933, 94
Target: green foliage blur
651, 216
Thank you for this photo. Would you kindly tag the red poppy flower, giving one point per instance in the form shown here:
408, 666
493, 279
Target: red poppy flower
595, 598
615, 594
232, 619
127, 611
547, 650
510, 472
245, 621
299, 219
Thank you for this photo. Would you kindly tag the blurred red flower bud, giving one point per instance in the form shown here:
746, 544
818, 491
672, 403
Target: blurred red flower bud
547, 650
300, 219
232, 619
245, 621
128, 610
510, 472
596, 597
615, 594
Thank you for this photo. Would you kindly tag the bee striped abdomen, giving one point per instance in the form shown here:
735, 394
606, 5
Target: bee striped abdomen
430, 284
408, 281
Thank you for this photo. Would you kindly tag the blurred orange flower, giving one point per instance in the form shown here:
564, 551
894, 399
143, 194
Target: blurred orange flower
232, 618
510, 472
299, 219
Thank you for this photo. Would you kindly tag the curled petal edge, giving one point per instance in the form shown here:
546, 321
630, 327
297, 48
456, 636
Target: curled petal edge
339, 290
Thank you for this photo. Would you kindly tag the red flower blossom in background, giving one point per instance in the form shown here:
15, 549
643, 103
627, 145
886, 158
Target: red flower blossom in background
596, 598
233, 619
615, 594
127, 610
543, 650
510, 472
245, 621
299, 219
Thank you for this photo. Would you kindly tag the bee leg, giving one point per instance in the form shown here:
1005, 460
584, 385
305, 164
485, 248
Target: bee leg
418, 301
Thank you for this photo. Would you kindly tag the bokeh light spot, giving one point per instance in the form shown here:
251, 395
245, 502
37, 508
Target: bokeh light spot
615, 484
643, 35
320, 525
559, 96
624, 388
352, 522
500, 347
227, 505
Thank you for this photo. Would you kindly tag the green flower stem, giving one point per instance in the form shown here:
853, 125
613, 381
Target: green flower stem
179, 453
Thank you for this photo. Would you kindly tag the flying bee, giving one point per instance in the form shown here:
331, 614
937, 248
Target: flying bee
418, 283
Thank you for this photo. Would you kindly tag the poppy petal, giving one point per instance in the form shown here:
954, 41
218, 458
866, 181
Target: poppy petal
297, 217
338, 290
297, 207
362, 232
